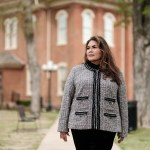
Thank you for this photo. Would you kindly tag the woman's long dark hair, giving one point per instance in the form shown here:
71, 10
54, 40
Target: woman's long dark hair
107, 63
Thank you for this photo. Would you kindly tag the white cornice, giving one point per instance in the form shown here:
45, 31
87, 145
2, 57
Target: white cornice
10, 11
84, 2
14, 7
6, 10
13, 2
9, 7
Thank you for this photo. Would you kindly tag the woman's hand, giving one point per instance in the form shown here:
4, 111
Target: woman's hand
120, 139
63, 135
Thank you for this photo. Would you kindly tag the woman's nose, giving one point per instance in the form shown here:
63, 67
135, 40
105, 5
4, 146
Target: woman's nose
91, 49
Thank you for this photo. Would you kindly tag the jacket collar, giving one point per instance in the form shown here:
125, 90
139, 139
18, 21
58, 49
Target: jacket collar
89, 65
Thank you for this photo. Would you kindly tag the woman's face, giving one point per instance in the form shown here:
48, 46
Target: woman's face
93, 52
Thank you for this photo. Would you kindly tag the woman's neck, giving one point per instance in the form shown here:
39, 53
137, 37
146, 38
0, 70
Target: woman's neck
92, 65
95, 62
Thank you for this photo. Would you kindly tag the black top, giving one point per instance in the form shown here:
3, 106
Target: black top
91, 66
96, 94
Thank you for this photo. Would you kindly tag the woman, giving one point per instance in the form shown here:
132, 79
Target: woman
94, 104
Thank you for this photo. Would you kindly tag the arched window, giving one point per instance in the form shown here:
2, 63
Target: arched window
11, 35
61, 18
14, 33
109, 21
7, 24
62, 74
87, 24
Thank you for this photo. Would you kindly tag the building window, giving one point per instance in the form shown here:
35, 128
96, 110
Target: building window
11, 35
7, 24
28, 82
14, 33
87, 24
61, 18
34, 20
109, 21
62, 74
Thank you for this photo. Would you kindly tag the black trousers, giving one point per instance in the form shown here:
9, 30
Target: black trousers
93, 139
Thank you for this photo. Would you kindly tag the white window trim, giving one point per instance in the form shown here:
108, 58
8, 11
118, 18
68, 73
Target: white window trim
7, 24
59, 76
11, 40
84, 12
34, 20
14, 39
59, 13
28, 82
113, 19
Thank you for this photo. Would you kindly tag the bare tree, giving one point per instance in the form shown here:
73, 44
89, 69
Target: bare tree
141, 32
32, 59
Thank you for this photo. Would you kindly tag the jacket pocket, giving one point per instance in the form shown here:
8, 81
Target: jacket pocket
110, 99
80, 113
110, 115
82, 97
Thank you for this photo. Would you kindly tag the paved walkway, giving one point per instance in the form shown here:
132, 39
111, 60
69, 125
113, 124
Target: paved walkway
53, 142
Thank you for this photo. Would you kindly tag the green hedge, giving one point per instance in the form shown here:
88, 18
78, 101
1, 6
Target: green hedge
23, 102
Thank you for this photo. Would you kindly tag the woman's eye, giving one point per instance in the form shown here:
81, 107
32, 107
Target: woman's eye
94, 47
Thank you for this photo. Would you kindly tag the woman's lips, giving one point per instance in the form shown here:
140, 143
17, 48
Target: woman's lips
90, 55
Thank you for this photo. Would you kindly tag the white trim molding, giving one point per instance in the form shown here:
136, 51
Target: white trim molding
62, 27
109, 21
28, 82
61, 76
87, 24
11, 33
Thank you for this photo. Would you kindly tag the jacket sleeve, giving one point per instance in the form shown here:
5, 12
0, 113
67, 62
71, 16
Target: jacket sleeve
123, 107
66, 103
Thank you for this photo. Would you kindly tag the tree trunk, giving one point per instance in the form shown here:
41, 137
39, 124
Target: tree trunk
141, 32
32, 60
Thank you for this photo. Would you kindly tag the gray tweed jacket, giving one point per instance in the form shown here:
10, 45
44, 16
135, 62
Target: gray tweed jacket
76, 107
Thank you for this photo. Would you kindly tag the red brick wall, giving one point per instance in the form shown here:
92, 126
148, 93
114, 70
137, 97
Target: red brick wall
72, 53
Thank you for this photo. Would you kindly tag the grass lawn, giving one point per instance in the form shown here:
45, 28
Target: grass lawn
137, 140
28, 138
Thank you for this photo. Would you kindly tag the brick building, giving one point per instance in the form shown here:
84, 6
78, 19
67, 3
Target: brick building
61, 30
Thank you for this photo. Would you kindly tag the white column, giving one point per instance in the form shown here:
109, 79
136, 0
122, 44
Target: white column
123, 48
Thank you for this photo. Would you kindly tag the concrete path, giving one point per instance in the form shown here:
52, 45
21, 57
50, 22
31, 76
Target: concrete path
52, 141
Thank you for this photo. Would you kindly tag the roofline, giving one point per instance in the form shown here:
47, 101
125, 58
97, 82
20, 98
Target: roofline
84, 2
14, 5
